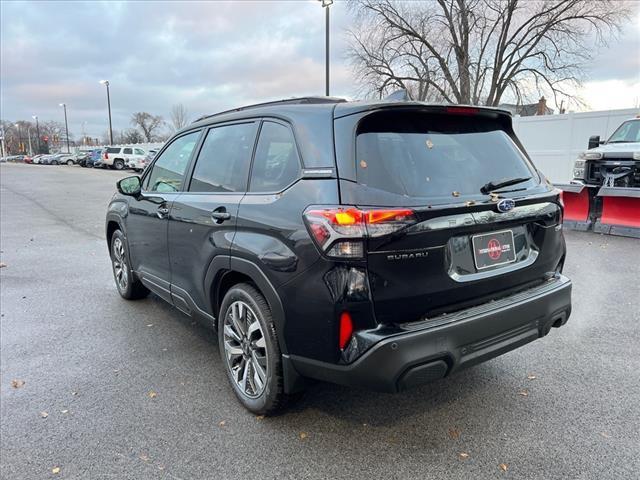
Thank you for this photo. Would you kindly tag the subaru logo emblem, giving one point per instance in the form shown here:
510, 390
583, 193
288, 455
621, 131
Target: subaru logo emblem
506, 205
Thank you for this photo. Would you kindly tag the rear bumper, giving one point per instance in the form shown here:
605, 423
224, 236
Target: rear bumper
437, 347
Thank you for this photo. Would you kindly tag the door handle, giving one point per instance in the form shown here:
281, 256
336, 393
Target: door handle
162, 211
220, 214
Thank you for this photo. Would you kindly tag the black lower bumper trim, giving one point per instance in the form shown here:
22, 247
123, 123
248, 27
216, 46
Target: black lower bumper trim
409, 359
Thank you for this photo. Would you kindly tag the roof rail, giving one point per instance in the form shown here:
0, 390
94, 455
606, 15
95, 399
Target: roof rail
287, 101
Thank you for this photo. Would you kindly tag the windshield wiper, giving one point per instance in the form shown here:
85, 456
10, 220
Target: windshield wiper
491, 186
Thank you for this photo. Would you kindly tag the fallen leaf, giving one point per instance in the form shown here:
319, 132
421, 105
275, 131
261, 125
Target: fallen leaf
464, 455
144, 458
17, 383
2, 264
55, 470
605, 434
503, 467
152, 394
44, 414
65, 411
222, 423
149, 324
303, 435
454, 433
531, 376
74, 393
259, 417
524, 393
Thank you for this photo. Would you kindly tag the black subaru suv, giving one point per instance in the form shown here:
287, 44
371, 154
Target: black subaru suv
379, 244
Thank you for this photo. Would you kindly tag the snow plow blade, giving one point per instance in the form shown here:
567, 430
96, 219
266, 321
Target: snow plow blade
577, 201
620, 214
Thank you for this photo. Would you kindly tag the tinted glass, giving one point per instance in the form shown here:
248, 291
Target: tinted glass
127, 151
276, 163
113, 150
139, 152
168, 170
223, 163
424, 155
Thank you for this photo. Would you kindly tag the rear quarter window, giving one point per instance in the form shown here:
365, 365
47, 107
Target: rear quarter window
113, 150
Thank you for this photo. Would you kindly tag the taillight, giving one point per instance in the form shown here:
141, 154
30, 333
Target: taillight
106, 156
340, 231
346, 330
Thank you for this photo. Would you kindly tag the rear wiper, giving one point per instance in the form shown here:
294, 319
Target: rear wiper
491, 186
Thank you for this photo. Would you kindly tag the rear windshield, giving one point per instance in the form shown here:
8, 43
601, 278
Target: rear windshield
436, 155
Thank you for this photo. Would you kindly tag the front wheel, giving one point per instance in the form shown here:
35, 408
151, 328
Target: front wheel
69, 162
118, 164
128, 285
55, 162
249, 350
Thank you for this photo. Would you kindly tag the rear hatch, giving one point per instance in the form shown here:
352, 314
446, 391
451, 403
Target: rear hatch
451, 244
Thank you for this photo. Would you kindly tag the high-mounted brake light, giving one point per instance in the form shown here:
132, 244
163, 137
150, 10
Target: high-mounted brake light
340, 231
462, 110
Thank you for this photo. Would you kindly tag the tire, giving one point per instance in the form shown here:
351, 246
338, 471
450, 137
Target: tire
118, 164
243, 342
69, 162
54, 162
128, 285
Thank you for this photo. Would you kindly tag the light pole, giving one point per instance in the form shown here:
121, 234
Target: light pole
66, 125
35, 117
19, 138
325, 5
106, 82
29, 139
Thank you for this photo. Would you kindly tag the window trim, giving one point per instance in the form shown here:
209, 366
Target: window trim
169, 142
194, 161
255, 149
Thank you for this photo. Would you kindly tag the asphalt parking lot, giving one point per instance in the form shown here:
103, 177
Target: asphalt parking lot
99, 387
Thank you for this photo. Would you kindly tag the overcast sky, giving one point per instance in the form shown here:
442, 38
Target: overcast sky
208, 56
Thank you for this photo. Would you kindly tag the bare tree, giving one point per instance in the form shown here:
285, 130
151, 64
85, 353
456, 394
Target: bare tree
131, 136
479, 51
149, 124
179, 116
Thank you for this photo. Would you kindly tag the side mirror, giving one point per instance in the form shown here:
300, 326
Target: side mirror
594, 141
129, 186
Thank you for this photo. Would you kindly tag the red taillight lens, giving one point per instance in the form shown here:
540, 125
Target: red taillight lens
340, 231
346, 330
462, 110
106, 157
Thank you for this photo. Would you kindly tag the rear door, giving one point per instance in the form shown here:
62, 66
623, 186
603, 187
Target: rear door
203, 218
450, 246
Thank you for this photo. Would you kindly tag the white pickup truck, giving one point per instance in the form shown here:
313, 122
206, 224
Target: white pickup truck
123, 157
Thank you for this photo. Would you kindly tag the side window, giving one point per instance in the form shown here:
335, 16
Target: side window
168, 170
276, 164
223, 163
127, 151
138, 151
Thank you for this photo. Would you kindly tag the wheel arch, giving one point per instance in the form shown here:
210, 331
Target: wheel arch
224, 272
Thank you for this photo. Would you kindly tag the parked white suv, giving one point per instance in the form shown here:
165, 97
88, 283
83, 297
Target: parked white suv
124, 157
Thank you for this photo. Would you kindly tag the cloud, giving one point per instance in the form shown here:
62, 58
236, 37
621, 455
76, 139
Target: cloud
210, 56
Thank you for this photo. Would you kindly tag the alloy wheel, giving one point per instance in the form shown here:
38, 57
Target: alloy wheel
120, 265
245, 349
